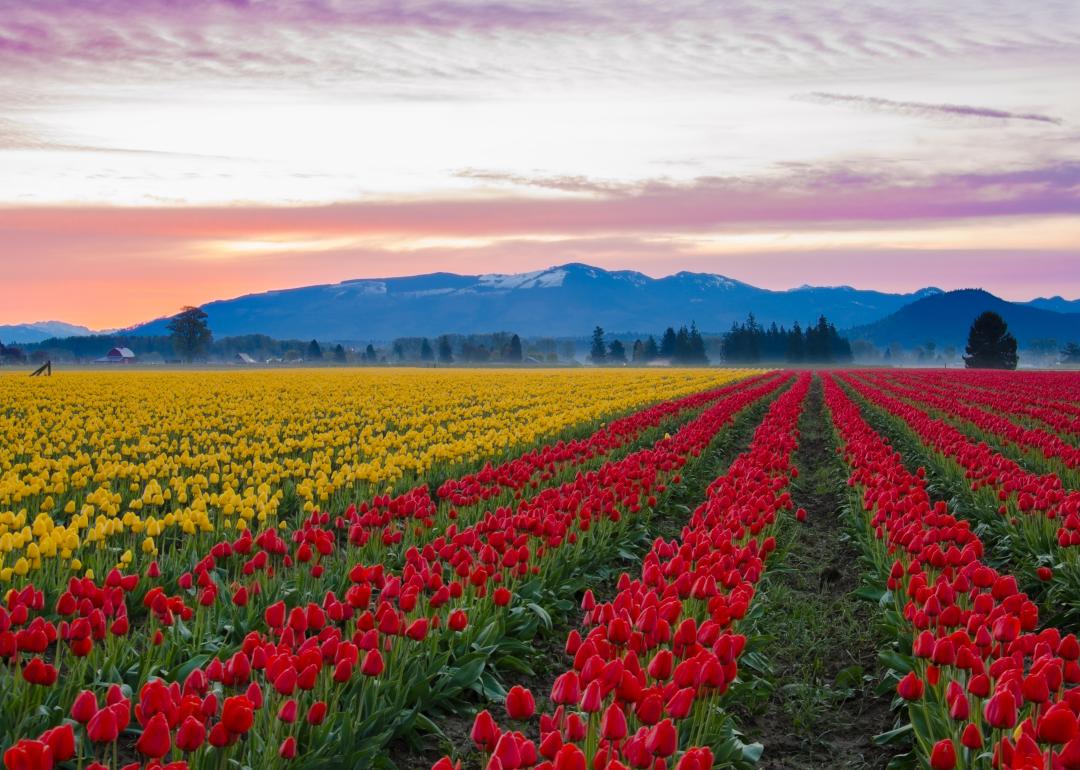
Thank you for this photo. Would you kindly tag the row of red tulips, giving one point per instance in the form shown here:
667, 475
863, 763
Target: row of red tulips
538, 466
985, 688
647, 676
1039, 446
415, 517
1039, 498
1027, 396
244, 663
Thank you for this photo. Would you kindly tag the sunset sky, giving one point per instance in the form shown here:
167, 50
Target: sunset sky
155, 153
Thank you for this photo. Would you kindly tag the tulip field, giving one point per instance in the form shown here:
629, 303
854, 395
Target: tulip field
550, 569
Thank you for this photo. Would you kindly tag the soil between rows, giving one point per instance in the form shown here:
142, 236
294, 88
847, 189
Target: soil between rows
822, 640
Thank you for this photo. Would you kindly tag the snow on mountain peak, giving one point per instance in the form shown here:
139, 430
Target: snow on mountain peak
537, 279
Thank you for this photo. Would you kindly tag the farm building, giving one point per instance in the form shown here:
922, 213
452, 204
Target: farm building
243, 358
117, 356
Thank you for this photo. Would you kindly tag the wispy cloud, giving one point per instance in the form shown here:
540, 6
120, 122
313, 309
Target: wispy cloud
926, 109
569, 183
17, 135
828, 196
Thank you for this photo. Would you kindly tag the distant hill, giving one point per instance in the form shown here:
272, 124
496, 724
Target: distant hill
1057, 304
946, 318
41, 330
567, 300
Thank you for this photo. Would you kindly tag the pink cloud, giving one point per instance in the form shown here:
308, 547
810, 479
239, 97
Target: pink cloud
828, 198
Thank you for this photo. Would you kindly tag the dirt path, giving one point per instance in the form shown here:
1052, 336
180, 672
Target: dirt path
822, 639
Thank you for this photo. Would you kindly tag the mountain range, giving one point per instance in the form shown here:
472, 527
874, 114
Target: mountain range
563, 301
39, 331
945, 319
569, 300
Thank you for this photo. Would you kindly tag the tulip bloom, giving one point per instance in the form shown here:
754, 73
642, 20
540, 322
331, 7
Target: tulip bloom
943, 755
103, 727
1000, 711
191, 735
910, 687
520, 703
156, 739
237, 714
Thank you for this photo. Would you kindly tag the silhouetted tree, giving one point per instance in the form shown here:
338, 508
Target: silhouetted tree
637, 353
446, 353
668, 343
514, 354
696, 347
598, 351
339, 353
369, 353
651, 350
1070, 354
617, 352
426, 353
190, 333
314, 352
990, 346
796, 345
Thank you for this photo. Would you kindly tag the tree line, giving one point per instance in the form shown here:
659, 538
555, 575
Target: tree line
749, 342
685, 346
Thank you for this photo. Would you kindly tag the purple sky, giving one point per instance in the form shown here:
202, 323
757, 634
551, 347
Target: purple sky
157, 153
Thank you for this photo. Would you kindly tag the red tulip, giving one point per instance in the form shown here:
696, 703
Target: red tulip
663, 739
156, 739
943, 755
191, 735
287, 712
287, 750
103, 727
566, 689
84, 707
1057, 725
237, 714
519, 703
910, 687
62, 742
29, 755
373, 663
972, 737
613, 723
569, 757
317, 713
1000, 710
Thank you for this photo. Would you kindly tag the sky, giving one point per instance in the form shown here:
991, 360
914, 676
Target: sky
155, 153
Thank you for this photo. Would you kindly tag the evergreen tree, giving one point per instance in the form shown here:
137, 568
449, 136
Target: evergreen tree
314, 352
682, 345
598, 351
638, 352
990, 346
446, 354
696, 346
617, 352
190, 333
399, 350
796, 345
369, 353
651, 350
668, 343
339, 353
426, 353
514, 354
